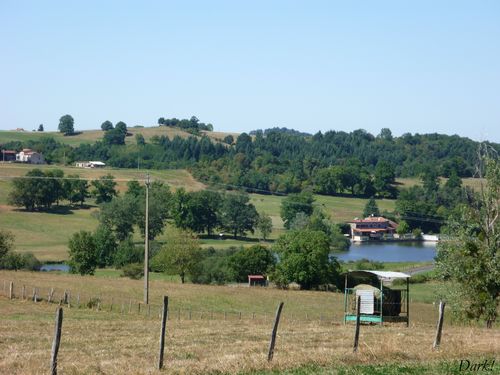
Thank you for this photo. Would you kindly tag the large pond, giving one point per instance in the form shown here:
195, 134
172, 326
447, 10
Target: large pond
390, 252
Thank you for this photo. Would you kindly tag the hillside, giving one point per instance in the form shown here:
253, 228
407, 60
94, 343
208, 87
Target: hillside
90, 136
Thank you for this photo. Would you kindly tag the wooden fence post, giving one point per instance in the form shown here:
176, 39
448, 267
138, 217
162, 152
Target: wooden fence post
111, 305
437, 340
23, 293
273, 333
162, 331
358, 321
51, 294
11, 290
78, 300
57, 340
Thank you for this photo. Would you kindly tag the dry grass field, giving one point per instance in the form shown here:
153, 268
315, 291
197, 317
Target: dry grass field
90, 136
474, 183
104, 342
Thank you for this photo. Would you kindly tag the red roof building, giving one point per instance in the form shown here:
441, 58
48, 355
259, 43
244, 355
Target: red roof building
372, 228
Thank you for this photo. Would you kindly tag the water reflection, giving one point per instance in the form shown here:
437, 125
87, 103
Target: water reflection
390, 252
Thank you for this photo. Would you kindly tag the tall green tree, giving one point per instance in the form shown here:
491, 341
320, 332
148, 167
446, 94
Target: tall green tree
384, 178
120, 215
83, 253
107, 125
104, 189
304, 259
238, 215
106, 246
470, 259
181, 254
371, 208
76, 189
114, 137
264, 225
66, 125
121, 127
203, 210
295, 203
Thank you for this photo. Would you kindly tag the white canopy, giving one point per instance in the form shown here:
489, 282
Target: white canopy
388, 274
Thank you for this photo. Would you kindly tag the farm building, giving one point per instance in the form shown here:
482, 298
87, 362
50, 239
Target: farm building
372, 228
27, 155
380, 300
8, 155
90, 164
257, 280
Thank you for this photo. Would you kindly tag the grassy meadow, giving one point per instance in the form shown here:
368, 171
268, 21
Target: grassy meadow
90, 136
46, 234
111, 342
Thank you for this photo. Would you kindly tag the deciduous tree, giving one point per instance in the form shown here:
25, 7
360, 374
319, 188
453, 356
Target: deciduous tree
181, 253
82, 253
66, 125
470, 259
304, 259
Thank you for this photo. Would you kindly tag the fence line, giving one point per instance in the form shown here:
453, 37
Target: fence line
127, 306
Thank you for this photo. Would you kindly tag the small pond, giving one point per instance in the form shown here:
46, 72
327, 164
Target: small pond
379, 251
55, 267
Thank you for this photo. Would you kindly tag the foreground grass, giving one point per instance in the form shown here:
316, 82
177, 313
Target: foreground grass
110, 343
446, 367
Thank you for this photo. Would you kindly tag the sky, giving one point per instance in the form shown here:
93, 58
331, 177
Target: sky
417, 67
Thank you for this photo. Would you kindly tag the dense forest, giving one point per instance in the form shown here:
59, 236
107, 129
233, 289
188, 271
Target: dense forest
280, 160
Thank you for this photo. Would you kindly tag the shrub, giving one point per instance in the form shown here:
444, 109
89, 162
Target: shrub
134, 271
15, 261
93, 302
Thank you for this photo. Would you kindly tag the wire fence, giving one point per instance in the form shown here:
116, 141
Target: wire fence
133, 307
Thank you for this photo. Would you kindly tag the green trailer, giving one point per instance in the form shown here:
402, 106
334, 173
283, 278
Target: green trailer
380, 300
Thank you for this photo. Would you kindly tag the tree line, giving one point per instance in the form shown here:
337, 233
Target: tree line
280, 160
40, 190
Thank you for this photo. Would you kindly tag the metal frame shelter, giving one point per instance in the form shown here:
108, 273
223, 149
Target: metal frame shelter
379, 303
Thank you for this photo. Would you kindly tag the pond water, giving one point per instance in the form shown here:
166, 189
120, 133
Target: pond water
390, 251
55, 267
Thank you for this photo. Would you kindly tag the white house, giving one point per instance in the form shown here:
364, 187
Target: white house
27, 155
